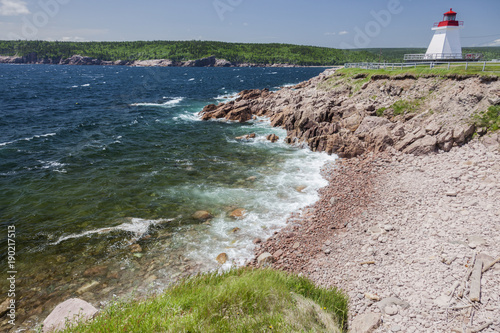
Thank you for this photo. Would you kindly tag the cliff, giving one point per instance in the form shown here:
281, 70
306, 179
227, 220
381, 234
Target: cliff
350, 112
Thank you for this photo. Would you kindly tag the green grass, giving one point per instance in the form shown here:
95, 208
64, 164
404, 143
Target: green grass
490, 119
240, 300
380, 112
404, 107
424, 70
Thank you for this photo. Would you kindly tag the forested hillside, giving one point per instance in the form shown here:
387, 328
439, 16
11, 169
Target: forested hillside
187, 50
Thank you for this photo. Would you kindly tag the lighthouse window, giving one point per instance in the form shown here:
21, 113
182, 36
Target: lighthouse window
449, 17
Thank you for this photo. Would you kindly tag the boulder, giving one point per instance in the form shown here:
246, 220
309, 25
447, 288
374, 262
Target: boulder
71, 311
202, 215
222, 258
492, 142
380, 139
409, 138
4, 307
237, 213
135, 248
422, 146
241, 114
301, 188
272, 137
369, 124
353, 122
366, 323
246, 137
461, 134
265, 259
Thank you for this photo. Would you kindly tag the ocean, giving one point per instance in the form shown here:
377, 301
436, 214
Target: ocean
102, 169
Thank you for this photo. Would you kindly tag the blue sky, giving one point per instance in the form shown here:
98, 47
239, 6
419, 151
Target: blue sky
339, 24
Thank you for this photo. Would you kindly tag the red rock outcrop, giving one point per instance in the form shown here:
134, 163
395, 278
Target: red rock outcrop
350, 115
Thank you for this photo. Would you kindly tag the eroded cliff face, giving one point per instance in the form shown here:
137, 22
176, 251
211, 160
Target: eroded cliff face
350, 114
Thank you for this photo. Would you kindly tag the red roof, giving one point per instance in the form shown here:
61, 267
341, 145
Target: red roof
451, 12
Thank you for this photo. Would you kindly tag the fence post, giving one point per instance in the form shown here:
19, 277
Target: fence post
484, 66
448, 66
466, 65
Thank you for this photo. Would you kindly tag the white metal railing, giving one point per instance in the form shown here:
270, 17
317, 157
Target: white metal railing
460, 23
433, 56
430, 64
442, 56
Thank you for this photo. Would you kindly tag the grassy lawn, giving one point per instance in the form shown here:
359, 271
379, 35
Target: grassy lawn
424, 70
240, 300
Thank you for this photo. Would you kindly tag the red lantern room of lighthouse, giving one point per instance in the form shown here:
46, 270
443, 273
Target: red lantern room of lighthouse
445, 43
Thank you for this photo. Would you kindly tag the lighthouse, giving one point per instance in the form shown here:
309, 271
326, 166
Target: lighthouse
445, 43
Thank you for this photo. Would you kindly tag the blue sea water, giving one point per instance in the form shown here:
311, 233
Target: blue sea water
97, 160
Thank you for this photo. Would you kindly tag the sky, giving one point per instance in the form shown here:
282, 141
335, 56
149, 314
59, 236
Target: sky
329, 23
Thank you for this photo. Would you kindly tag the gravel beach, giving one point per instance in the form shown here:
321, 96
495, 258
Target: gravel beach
407, 237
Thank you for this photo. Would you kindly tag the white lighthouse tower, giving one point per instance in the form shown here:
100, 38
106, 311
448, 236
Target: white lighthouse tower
446, 41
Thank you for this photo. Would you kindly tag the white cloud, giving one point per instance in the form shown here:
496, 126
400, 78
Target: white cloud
73, 39
13, 8
330, 33
496, 42
343, 33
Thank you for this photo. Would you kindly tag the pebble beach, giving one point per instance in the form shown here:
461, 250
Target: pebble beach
409, 238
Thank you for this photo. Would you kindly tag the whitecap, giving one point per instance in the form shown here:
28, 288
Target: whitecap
168, 104
137, 227
227, 97
188, 116
86, 85
27, 139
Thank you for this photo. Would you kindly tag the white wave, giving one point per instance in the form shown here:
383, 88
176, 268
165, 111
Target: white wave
227, 97
138, 227
188, 116
168, 104
53, 165
27, 139
86, 85
269, 202
192, 79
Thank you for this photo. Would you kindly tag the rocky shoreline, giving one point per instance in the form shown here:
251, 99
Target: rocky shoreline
351, 115
409, 224
78, 60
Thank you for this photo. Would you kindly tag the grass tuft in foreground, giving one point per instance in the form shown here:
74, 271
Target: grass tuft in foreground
240, 300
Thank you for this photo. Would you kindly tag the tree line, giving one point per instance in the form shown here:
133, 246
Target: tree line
274, 53
187, 50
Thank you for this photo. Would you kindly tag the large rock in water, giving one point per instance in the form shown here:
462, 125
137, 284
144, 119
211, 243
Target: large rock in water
71, 311
202, 215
